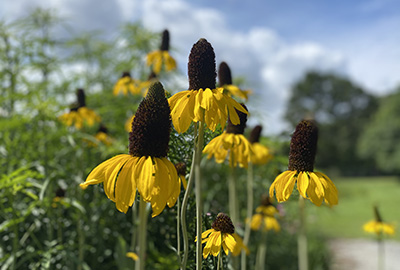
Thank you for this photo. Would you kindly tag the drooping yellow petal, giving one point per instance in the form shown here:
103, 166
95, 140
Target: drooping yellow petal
125, 189
302, 183
143, 173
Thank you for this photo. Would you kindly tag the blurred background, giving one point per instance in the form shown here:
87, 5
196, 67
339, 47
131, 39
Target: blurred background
336, 62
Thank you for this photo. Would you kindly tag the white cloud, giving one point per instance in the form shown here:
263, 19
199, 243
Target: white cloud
269, 64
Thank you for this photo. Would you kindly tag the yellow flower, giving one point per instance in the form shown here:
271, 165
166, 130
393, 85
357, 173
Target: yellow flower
222, 235
146, 168
181, 170
126, 84
232, 144
158, 58
225, 81
161, 57
80, 114
377, 226
264, 217
234, 90
210, 106
203, 102
261, 153
72, 118
315, 186
221, 146
132, 255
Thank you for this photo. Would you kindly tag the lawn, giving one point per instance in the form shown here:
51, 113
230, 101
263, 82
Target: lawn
357, 196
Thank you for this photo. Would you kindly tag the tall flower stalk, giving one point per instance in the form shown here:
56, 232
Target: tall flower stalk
146, 168
315, 186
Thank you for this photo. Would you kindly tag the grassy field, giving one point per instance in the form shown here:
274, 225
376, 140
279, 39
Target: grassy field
357, 196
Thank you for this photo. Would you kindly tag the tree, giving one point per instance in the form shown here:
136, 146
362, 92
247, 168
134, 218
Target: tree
341, 110
380, 137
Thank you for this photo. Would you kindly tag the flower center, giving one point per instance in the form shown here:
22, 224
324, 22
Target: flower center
152, 125
165, 41
255, 134
224, 74
201, 66
223, 223
303, 147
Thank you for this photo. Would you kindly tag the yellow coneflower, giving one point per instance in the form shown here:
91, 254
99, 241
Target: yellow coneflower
203, 102
132, 255
315, 186
125, 85
377, 226
225, 81
265, 217
60, 194
161, 57
181, 169
222, 234
231, 144
261, 153
146, 168
80, 114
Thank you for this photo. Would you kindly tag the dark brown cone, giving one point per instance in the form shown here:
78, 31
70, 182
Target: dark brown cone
165, 41
181, 168
80, 94
152, 125
60, 192
255, 134
378, 217
303, 147
237, 129
201, 66
224, 74
126, 74
265, 200
223, 223
103, 128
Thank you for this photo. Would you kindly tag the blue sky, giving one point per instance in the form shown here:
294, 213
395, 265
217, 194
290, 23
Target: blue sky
270, 42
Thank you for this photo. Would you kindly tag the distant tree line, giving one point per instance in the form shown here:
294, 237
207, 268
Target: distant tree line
358, 132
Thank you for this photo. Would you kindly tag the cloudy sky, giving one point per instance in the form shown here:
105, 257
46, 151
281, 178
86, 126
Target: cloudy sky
269, 42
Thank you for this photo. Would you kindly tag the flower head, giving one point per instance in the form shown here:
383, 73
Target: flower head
377, 226
265, 216
126, 84
146, 168
203, 102
315, 186
261, 153
225, 81
79, 114
181, 169
231, 144
101, 136
222, 233
161, 57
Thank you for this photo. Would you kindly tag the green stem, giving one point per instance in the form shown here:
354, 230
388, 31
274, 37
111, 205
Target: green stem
302, 238
250, 202
184, 207
262, 251
381, 253
233, 204
81, 242
142, 235
134, 220
199, 205
178, 230
219, 263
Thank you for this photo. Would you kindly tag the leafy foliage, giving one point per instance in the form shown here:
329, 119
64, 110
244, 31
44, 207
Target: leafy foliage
46, 220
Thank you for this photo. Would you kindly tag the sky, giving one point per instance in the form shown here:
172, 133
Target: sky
271, 43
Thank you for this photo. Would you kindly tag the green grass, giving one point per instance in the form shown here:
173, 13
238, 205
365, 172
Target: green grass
357, 196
